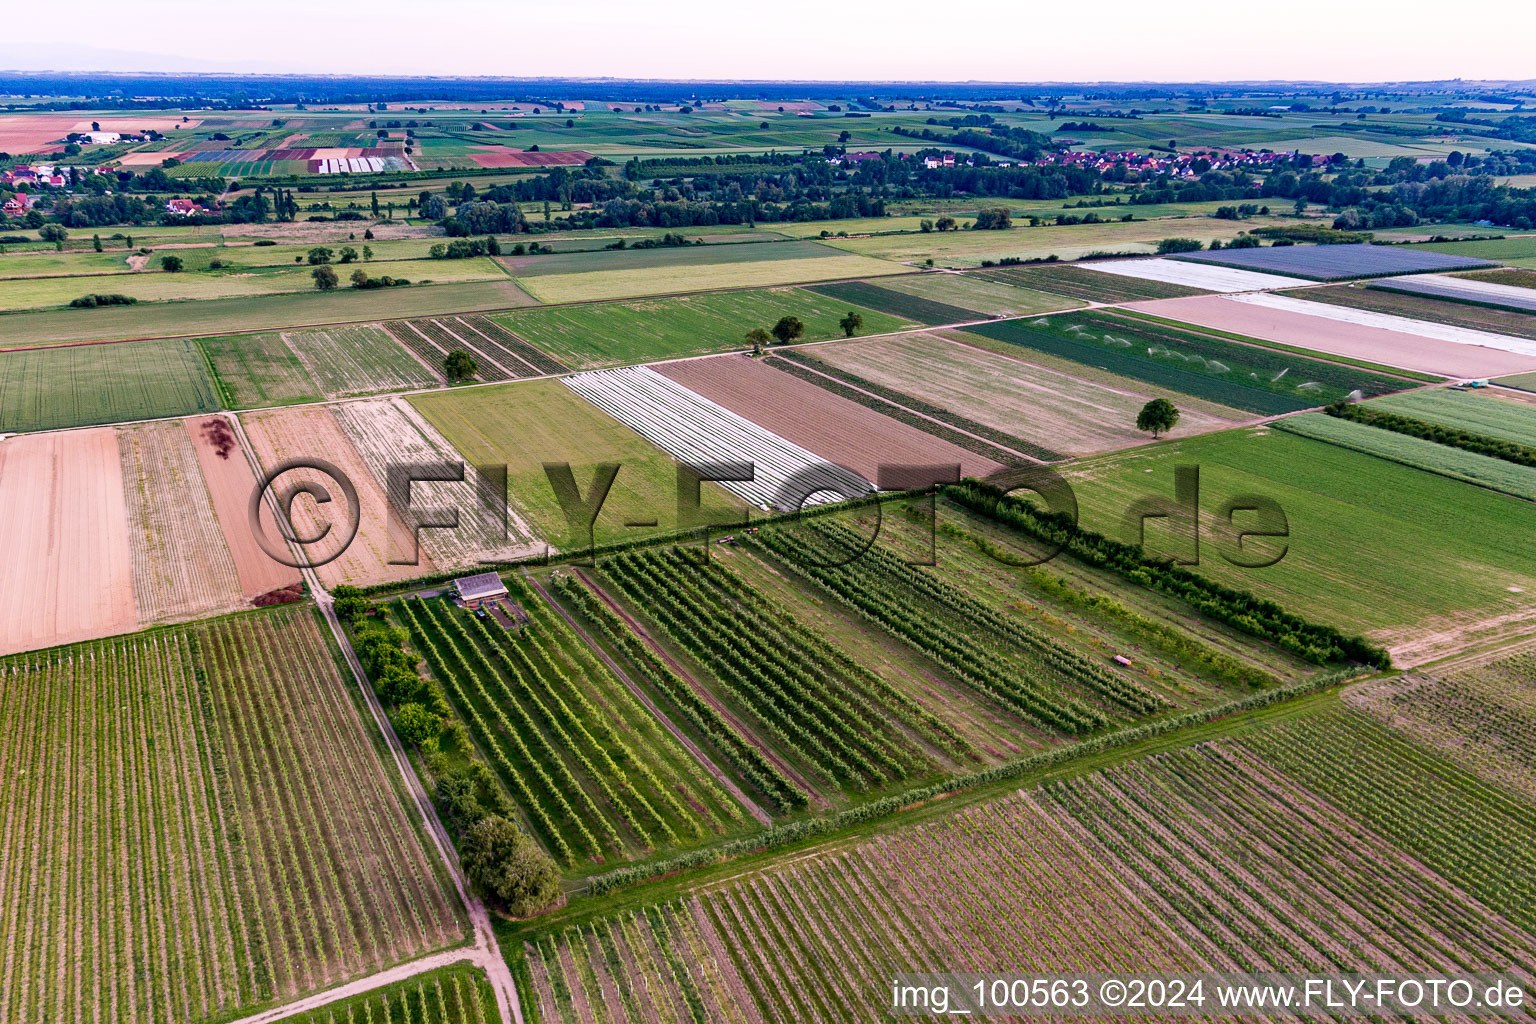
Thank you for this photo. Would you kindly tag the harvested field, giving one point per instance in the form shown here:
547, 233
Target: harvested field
903, 304
181, 566
1329, 336
1441, 316
527, 424
66, 536
1508, 277
696, 430
390, 432
312, 432
359, 361
1194, 276
253, 370
227, 473
1050, 408
835, 428
1080, 282
1473, 290
45, 389
1456, 463
602, 334
519, 158
201, 824
1337, 262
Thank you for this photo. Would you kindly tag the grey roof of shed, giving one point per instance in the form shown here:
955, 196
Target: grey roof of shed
485, 584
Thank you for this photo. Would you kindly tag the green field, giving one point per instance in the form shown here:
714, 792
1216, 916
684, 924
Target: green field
642, 330
1478, 412
970, 291
525, 425
1373, 545
254, 313
255, 370
913, 307
1518, 251
663, 256
449, 995
1456, 463
45, 389
1232, 373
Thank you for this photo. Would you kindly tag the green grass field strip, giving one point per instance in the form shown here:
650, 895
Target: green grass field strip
1483, 411
909, 307
1127, 363
51, 388
644, 330
1322, 357
1440, 433
1084, 284
256, 370
1432, 457
883, 399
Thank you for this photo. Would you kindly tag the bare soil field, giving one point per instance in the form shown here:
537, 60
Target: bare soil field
313, 433
230, 482
69, 573
390, 431
1334, 337
1052, 408
838, 430
182, 568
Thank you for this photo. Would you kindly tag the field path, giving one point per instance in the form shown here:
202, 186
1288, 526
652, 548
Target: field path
485, 952
693, 684
400, 972
757, 812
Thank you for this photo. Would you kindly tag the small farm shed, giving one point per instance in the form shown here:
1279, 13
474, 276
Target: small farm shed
480, 589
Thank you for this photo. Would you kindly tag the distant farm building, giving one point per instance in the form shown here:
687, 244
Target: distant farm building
479, 590
182, 207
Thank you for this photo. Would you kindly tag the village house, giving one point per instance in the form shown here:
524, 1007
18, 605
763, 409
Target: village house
182, 207
19, 204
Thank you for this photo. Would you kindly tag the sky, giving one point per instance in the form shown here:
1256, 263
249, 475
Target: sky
826, 40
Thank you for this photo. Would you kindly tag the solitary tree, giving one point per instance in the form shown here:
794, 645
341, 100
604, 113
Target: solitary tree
171, 264
320, 255
851, 323
348, 255
788, 329
325, 278
1157, 416
946, 224
759, 339
507, 866
459, 365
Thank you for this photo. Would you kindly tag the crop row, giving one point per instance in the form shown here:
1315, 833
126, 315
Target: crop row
839, 734
896, 404
488, 368
512, 345
1007, 658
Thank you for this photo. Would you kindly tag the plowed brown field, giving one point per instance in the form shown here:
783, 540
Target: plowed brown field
835, 428
230, 482
64, 531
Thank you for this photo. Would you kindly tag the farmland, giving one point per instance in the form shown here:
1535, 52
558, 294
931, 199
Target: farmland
836, 428
1338, 262
1085, 283
1007, 394
253, 370
181, 566
1357, 524
58, 593
659, 280
1507, 289
1479, 412
1482, 470
498, 353
990, 298
604, 334
919, 308
382, 547
526, 425
359, 361
1430, 307
1243, 376
221, 831
44, 389
553, 723
1193, 275
451, 995
1392, 341
1435, 326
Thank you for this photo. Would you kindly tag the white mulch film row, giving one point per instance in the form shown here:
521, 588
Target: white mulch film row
1196, 275
695, 430
1464, 287
1389, 322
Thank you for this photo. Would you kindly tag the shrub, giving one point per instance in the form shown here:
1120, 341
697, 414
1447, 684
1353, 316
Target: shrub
418, 726
1173, 245
91, 301
505, 865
